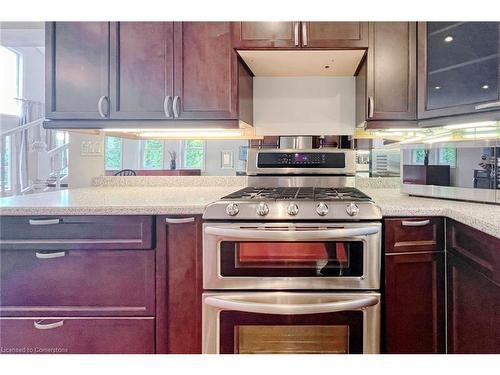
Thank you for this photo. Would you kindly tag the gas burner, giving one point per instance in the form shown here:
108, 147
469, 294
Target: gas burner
299, 194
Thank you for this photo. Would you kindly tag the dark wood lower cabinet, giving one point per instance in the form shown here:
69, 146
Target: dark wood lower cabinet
179, 285
77, 335
414, 303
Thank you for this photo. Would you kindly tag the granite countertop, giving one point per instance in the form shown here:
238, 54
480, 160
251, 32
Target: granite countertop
185, 200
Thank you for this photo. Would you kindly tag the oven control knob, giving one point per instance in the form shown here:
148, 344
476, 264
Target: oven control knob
292, 209
352, 209
232, 209
322, 209
262, 209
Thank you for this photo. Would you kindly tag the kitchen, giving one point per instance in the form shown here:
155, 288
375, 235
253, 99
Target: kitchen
243, 187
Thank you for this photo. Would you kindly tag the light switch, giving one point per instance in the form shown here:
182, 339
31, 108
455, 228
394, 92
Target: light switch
91, 148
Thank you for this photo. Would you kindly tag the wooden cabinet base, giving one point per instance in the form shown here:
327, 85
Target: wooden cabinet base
64, 335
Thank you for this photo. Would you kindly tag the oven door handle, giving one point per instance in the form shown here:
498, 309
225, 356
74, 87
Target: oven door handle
291, 235
226, 303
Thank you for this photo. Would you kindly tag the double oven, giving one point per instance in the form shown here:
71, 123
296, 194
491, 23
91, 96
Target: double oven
291, 264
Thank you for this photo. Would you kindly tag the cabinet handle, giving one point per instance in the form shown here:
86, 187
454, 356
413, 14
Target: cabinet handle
371, 106
50, 255
296, 33
304, 34
487, 105
166, 106
183, 220
39, 325
175, 106
44, 221
421, 223
99, 106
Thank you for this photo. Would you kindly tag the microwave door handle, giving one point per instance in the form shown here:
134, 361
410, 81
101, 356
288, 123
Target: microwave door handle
226, 303
291, 235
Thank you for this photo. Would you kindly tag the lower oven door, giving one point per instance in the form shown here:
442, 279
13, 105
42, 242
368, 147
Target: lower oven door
293, 256
291, 323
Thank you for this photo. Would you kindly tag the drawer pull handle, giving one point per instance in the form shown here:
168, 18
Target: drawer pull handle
50, 255
422, 223
183, 220
39, 325
44, 221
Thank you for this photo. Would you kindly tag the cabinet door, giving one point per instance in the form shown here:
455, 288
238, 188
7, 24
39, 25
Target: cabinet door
79, 335
458, 67
266, 34
141, 70
334, 34
414, 292
473, 303
391, 71
179, 285
206, 71
77, 62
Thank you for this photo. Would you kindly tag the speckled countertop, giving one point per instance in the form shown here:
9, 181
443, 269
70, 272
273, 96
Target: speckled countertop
157, 200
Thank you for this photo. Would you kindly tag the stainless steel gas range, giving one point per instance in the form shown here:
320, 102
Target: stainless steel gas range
291, 264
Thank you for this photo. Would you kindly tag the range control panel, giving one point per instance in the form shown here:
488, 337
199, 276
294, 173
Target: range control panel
300, 160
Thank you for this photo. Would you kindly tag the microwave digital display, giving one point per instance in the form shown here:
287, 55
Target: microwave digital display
301, 160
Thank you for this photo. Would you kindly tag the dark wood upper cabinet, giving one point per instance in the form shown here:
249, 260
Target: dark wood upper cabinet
266, 34
300, 34
142, 66
205, 71
458, 68
391, 83
77, 75
334, 34
386, 90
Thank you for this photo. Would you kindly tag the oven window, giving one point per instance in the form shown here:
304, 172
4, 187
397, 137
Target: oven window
325, 333
292, 339
292, 259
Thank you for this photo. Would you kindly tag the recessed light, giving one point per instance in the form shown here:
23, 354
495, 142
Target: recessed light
448, 39
485, 87
437, 88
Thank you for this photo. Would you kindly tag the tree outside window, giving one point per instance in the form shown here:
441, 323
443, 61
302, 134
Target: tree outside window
419, 156
448, 156
194, 154
152, 156
113, 153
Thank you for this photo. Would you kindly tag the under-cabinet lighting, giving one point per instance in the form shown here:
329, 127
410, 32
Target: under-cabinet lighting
470, 125
441, 138
192, 133
481, 135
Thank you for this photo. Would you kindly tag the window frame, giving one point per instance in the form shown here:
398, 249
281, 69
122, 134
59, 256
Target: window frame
183, 150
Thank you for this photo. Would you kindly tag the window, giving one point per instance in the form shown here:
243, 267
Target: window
152, 154
447, 156
418, 156
193, 156
10, 76
113, 153
6, 167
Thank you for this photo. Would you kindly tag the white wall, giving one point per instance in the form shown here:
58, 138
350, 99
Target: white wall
304, 105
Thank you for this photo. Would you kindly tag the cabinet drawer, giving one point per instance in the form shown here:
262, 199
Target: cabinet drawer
77, 282
479, 249
76, 232
414, 234
77, 335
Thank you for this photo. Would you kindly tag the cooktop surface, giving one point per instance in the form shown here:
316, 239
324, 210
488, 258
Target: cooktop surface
298, 194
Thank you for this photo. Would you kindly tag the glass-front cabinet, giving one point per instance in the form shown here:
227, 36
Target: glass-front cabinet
458, 68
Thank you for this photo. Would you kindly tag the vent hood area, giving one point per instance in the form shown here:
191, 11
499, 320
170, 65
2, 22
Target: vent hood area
302, 63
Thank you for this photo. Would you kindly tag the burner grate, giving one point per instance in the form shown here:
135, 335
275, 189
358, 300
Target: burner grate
299, 193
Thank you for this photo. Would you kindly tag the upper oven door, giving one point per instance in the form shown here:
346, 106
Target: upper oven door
291, 256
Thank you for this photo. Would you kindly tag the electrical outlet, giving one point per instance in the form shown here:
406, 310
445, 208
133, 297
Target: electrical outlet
91, 148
